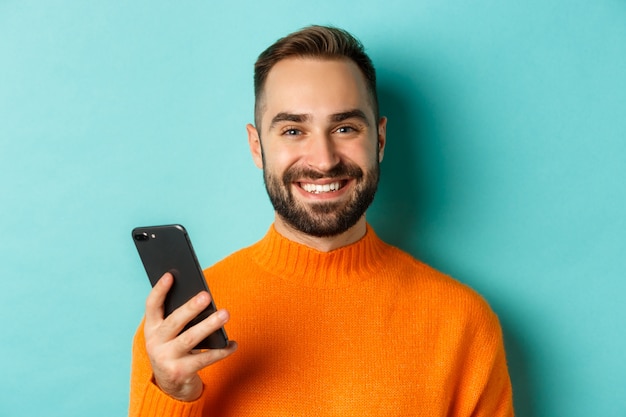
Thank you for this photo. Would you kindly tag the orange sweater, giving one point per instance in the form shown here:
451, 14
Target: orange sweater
365, 330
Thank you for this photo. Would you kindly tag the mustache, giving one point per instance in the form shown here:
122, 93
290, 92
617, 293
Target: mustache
341, 170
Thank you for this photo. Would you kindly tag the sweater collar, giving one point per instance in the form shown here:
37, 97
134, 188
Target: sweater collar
309, 267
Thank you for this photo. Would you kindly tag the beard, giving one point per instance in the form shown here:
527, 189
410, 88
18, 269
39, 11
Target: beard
323, 219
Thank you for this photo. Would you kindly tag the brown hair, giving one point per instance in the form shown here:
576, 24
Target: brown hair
316, 42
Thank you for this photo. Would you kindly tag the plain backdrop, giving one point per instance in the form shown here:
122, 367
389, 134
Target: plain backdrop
505, 167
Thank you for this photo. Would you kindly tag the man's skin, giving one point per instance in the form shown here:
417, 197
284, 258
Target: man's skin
315, 113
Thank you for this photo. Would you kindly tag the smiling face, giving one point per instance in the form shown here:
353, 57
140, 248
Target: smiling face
319, 145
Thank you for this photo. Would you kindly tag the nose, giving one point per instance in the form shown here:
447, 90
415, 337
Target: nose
322, 153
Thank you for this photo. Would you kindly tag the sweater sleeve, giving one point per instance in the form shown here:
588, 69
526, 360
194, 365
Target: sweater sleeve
488, 374
146, 399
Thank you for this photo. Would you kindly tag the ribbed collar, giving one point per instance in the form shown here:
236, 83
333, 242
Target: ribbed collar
309, 267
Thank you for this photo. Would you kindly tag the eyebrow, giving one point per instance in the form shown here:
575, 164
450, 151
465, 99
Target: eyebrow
350, 114
300, 118
288, 117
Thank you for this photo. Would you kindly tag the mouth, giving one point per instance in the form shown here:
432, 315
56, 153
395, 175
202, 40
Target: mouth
330, 187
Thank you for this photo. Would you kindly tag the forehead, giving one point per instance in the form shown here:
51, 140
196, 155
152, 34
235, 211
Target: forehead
315, 86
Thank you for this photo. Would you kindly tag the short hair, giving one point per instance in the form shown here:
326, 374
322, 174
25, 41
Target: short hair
315, 42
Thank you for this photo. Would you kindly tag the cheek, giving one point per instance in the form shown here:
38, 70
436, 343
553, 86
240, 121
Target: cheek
364, 155
278, 159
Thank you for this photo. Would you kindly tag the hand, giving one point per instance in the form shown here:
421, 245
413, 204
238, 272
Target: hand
174, 364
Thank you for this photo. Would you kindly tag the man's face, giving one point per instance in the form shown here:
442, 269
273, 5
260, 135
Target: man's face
319, 144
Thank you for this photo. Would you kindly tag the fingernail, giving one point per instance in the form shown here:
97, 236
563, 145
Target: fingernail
202, 298
166, 278
222, 314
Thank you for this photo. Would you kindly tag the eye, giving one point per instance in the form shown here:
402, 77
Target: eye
291, 131
345, 129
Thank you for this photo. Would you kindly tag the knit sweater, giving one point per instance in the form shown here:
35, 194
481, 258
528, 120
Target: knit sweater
363, 330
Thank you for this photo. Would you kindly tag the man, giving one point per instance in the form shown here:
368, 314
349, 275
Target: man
330, 320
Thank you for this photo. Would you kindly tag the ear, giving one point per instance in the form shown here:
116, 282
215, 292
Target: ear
382, 137
255, 145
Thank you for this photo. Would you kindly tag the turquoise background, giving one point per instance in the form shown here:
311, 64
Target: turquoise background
505, 167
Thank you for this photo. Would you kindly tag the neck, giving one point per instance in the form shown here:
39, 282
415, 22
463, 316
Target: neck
322, 244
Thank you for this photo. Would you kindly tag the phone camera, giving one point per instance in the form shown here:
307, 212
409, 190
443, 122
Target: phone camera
141, 236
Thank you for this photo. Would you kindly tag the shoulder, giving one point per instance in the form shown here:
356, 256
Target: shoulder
435, 290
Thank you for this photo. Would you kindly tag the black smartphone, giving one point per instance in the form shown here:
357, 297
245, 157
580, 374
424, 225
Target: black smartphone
168, 249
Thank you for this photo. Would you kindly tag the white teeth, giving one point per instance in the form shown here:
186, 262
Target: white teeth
317, 189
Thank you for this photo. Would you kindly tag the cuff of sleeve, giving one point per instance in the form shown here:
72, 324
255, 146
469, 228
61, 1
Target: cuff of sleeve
157, 403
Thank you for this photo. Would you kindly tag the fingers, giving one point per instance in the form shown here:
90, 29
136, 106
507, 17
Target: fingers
175, 322
175, 365
202, 358
159, 330
156, 298
171, 326
190, 338
178, 377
